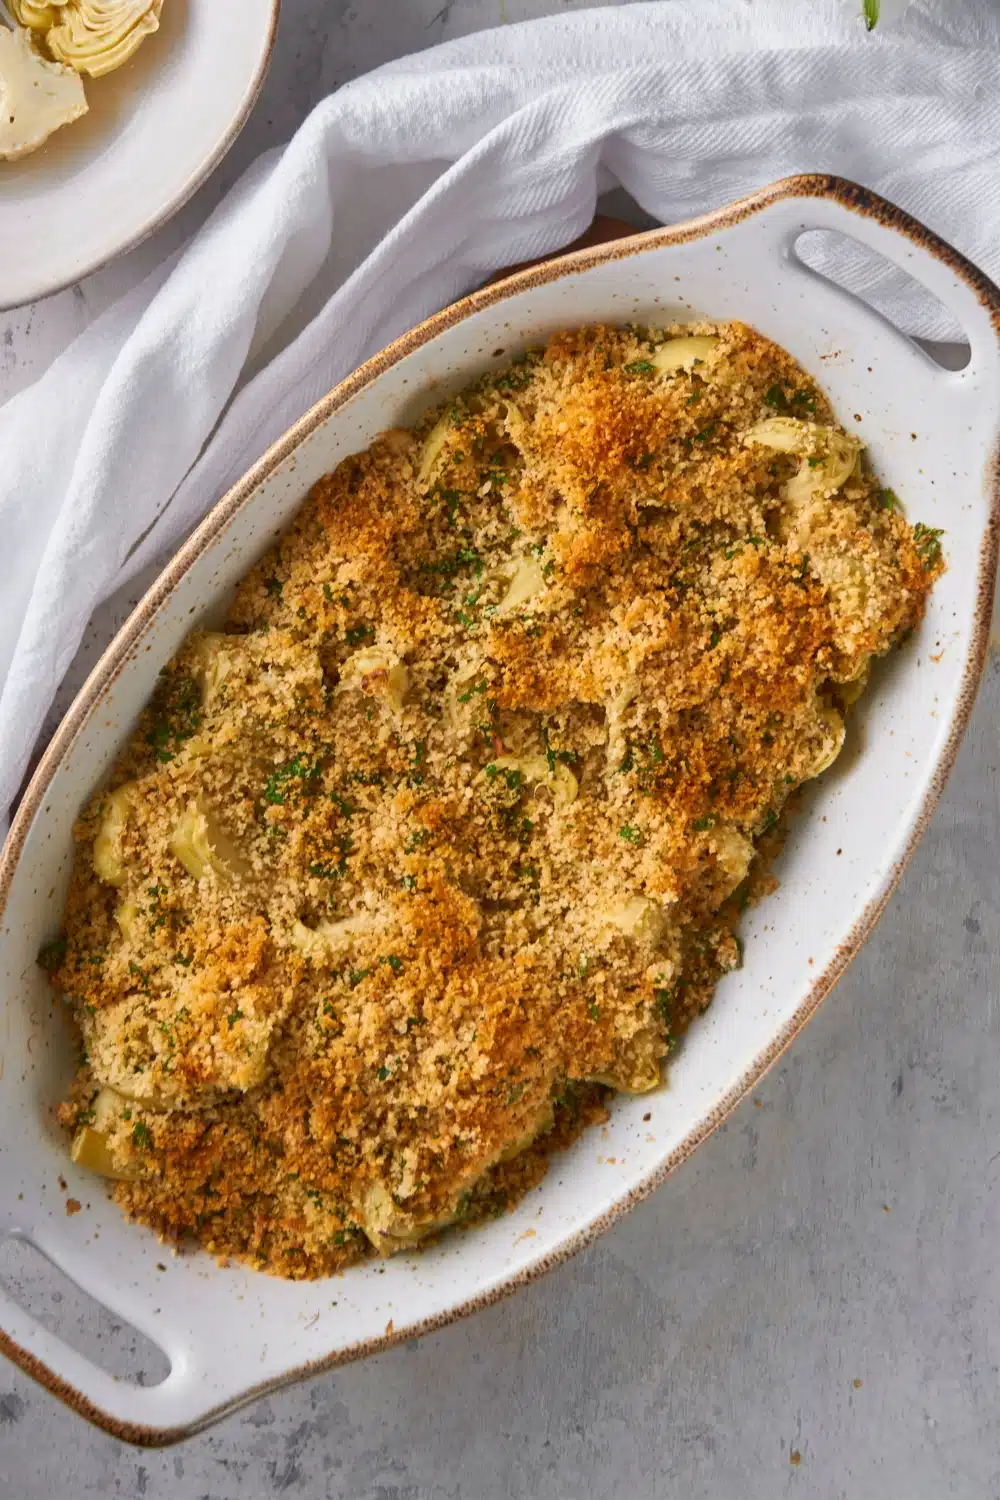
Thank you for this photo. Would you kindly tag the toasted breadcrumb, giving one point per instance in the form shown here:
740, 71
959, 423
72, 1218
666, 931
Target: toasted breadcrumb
445, 835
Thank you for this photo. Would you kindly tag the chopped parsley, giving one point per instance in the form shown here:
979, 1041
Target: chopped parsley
516, 378
928, 543
666, 997
51, 955
640, 367
798, 401
281, 779
175, 714
141, 975
141, 1135
511, 777
630, 834
455, 562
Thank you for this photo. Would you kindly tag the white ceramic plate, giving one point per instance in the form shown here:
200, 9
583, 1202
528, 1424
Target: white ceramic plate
155, 131
231, 1333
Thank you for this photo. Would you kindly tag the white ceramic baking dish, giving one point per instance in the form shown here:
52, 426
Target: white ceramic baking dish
230, 1334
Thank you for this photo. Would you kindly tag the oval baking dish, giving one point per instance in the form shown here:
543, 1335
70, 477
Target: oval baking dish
230, 1334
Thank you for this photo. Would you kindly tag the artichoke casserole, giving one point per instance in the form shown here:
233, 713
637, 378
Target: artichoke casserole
445, 835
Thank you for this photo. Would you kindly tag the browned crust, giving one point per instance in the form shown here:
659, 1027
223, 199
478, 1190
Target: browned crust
853, 197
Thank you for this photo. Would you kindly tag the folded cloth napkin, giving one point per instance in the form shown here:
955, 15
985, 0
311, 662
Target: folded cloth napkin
408, 187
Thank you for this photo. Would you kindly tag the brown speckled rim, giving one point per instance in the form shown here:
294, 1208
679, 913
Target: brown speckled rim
857, 200
186, 191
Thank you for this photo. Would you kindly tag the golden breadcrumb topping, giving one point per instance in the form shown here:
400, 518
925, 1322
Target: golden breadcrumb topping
445, 834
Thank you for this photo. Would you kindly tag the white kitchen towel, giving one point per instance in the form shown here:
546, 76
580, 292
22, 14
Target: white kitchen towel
407, 188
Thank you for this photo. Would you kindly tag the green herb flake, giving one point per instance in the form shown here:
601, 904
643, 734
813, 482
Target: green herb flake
141, 1136
889, 500
630, 834
51, 955
233, 1017
141, 975
640, 367
276, 788
927, 540
176, 715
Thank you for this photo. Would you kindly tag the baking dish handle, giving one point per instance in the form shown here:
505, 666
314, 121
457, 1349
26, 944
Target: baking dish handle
136, 1413
800, 205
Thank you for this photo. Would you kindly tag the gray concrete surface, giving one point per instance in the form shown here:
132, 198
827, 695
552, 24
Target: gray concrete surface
810, 1307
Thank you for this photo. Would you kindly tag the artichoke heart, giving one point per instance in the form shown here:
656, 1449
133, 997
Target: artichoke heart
108, 861
36, 16
91, 1144
37, 97
430, 453
203, 846
525, 583
378, 674
536, 768
639, 917
829, 457
683, 353
97, 36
